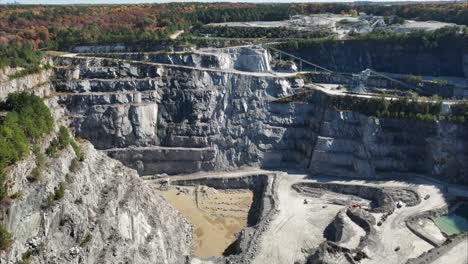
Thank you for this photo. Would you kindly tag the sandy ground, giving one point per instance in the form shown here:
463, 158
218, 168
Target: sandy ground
394, 233
297, 227
284, 242
217, 216
427, 227
354, 241
424, 25
456, 255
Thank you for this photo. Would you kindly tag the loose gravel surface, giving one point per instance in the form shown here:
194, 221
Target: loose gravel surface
297, 227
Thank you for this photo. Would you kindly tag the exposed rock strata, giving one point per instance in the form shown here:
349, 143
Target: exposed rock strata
407, 58
38, 83
241, 59
107, 215
121, 104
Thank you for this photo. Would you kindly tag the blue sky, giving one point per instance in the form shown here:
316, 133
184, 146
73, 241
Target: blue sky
152, 1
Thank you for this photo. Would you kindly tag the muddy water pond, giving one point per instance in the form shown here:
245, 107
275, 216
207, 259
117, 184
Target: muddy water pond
217, 215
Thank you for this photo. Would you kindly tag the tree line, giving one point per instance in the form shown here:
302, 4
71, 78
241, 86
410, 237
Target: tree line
448, 37
410, 108
257, 32
60, 27
57, 26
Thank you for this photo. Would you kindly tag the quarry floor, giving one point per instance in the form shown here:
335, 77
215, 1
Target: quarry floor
217, 215
298, 226
458, 254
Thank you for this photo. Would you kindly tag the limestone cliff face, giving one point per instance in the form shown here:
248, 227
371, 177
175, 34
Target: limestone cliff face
205, 119
176, 119
352, 144
36, 83
242, 59
107, 215
407, 58
465, 65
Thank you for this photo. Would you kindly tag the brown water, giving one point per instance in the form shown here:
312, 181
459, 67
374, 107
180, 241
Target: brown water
219, 216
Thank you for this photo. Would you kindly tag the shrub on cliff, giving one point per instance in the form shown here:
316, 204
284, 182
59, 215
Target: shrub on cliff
74, 164
3, 190
35, 117
59, 192
61, 142
13, 141
63, 137
77, 150
6, 238
27, 121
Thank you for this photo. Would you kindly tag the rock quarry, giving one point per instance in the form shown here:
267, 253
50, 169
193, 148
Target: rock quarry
216, 124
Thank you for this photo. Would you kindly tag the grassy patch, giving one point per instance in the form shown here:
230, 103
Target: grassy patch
16, 195
6, 238
59, 192
40, 157
75, 163
36, 175
86, 240
57, 195
25, 258
25, 72
59, 143
77, 150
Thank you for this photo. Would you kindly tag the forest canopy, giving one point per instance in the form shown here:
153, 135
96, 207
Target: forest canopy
59, 26
26, 29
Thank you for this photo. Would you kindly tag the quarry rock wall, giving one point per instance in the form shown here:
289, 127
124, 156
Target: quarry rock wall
465, 64
425, 87
37, 83
241, 59
356, 56
106, 215
177, 119
353, 144
198, 113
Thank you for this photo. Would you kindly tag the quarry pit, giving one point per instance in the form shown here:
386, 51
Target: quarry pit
302, 217
252, 163
259, 163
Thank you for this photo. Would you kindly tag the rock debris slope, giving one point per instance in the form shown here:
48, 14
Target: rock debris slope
107, 215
